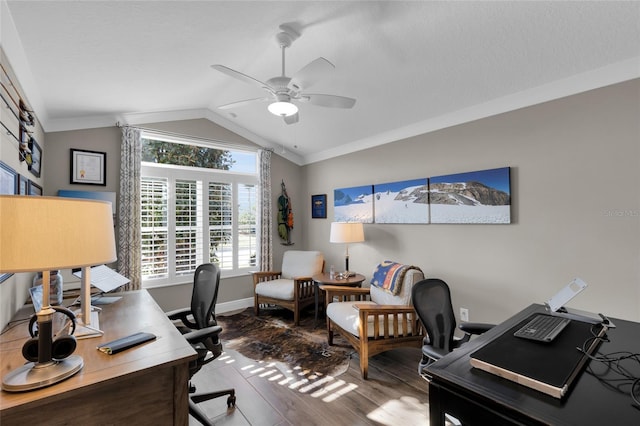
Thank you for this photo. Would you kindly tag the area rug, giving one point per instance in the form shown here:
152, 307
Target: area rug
273, 337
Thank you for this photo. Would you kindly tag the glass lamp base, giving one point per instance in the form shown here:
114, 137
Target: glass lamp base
33, 375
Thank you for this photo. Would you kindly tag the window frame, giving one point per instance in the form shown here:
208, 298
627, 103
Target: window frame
204, 177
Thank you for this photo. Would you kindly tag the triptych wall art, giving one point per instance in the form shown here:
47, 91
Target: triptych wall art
473, 197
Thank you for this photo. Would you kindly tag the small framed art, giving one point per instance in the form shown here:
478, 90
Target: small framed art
319, 206
88, 167
36, 157
34, 189
8, 179
23, 185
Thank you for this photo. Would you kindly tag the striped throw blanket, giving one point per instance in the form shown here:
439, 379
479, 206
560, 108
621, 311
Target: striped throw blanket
389, 276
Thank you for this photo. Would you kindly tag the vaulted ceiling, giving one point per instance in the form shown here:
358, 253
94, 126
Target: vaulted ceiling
412, 66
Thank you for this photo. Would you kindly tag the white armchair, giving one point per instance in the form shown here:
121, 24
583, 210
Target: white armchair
374, 320
293, 286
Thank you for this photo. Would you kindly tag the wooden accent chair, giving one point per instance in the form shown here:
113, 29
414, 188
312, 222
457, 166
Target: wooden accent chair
292, 287
374, 320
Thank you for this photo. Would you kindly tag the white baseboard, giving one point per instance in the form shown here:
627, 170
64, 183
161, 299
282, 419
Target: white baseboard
234, 305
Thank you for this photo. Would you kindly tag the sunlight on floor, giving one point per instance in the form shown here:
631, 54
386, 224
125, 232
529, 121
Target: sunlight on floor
398, 411
304, 381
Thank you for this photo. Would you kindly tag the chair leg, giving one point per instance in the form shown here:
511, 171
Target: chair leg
364, 360
195, 398
231, 400
198, 414
364, 366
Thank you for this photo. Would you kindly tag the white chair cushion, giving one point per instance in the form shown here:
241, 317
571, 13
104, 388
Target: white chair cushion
383, 297
348, 318
300, 263
281, 289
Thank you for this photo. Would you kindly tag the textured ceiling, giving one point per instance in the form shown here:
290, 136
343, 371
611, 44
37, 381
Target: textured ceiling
412, 66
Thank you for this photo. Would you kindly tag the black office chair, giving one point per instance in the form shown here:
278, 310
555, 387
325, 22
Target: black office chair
432, 301
200, 329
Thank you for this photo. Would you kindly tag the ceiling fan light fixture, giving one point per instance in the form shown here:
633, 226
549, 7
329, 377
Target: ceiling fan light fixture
282, 108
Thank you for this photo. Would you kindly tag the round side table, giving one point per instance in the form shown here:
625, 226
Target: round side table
324, 278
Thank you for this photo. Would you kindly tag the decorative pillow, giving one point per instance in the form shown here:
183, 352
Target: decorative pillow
389, 275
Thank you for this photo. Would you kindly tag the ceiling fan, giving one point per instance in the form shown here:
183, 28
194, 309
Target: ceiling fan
284, 91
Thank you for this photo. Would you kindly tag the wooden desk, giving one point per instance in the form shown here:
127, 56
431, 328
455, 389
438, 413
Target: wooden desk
325, 278
476, 397
145, 385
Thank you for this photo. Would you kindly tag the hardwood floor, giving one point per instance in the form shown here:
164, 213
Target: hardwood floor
269, 394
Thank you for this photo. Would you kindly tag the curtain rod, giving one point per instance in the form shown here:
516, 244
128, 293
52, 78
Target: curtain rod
224, 144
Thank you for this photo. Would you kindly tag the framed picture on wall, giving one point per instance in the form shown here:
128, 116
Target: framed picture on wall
23, 185
482, 196
8, 180
401, 202
354, 204
36, 157
319, 206
34, 188
88, 167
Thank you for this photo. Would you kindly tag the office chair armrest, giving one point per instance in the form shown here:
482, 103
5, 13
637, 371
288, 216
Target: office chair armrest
197, 336
475, 327
184, 315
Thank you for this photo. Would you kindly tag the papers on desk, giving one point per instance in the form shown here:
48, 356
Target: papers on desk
105, 278
545, 367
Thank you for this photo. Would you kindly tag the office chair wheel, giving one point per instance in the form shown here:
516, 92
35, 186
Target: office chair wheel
231, 401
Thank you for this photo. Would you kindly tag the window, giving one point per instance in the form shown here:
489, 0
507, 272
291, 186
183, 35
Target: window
198, 205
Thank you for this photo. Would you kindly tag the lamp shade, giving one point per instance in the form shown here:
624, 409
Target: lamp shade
346, 232
46, 233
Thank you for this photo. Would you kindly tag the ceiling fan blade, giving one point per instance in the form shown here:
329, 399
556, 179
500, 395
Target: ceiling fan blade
241, 103
310, 73
242, 77
291, 119
330, 101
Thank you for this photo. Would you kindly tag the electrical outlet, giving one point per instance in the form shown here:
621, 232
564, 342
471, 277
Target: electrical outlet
464, 314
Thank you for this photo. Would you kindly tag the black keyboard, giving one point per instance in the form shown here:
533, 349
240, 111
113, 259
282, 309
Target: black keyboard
542, 328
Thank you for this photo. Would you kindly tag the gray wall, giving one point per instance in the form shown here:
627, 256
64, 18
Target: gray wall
576, 206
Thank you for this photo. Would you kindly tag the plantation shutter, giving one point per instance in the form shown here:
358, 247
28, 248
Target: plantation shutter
221, 224
188, 224
247, 225
154, 231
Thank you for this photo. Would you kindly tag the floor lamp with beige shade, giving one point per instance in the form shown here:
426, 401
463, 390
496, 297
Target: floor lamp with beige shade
40, 234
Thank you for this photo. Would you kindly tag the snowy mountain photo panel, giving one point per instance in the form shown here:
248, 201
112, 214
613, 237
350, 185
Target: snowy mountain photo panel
353, 204
401, 202
474, 197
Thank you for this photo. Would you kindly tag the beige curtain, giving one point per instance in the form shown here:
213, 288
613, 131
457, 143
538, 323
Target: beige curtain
265, 235
129, 208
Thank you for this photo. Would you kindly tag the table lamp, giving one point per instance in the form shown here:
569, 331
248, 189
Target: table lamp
346, 232
40, 234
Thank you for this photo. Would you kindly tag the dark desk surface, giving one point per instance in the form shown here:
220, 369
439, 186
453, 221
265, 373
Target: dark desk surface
588, 402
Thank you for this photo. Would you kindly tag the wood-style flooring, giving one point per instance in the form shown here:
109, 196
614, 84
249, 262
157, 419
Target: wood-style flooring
268, 394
